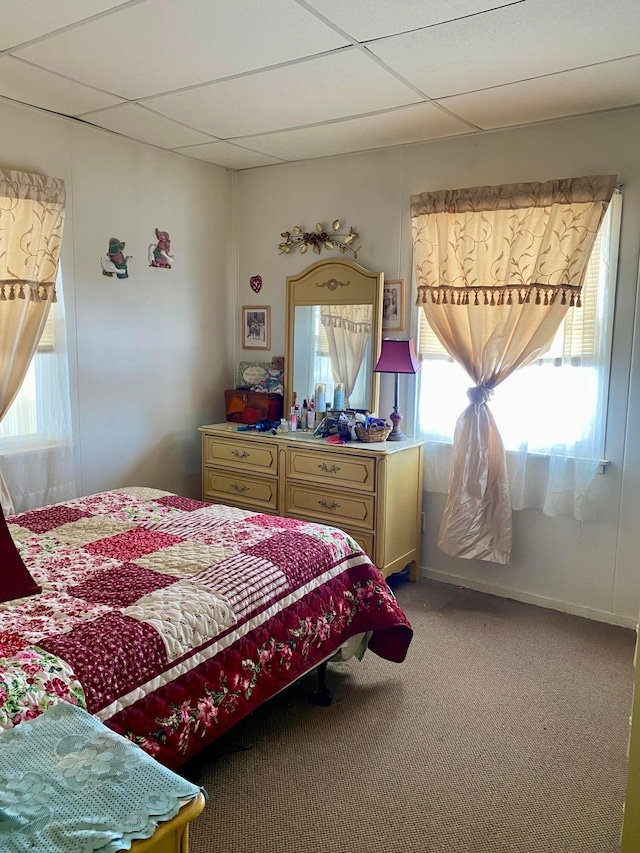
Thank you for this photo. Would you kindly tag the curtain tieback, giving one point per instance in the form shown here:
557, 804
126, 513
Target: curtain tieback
479, 394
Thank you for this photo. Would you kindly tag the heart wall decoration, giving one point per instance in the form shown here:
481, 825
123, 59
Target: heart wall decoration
256, 283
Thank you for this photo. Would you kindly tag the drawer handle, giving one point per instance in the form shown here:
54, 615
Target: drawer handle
240, 454
325, 505
330, 469
237, 488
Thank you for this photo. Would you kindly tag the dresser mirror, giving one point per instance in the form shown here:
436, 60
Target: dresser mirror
333, 335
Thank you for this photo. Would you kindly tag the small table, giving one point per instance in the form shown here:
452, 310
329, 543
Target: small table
172, 836
69, 783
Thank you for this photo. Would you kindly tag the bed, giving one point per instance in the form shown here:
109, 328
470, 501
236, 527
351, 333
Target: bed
170, 619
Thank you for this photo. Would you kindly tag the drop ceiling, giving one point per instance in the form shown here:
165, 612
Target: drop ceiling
246, 83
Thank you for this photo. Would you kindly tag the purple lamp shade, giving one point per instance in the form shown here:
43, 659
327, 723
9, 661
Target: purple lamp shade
397, 356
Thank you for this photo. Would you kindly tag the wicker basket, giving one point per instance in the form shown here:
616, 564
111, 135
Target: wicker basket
371, 434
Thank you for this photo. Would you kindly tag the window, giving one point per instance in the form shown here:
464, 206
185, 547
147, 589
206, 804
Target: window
557, 401
28, 423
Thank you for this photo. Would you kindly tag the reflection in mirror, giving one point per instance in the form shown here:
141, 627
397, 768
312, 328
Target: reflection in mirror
332, 347
333, 335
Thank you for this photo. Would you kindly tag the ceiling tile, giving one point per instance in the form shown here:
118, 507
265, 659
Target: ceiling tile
228, 155
513, 43
284, 81
399, 127
599, 87
155, 46
372, 19
30, 85
23, 20
329, 87
146, 126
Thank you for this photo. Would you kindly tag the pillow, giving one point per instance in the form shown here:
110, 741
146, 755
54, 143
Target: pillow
252, 373
15, 580
272, 382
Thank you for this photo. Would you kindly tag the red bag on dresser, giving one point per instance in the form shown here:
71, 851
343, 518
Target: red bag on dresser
249, 407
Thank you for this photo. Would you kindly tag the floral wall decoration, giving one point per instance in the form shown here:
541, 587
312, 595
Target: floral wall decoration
115, 262
255, 282
300, 239
160, 252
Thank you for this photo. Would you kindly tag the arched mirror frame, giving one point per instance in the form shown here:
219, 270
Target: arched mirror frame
334, 281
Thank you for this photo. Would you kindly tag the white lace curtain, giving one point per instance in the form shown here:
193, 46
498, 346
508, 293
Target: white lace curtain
497, 268
31, 226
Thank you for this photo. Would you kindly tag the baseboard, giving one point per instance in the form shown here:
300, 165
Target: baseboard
530, 598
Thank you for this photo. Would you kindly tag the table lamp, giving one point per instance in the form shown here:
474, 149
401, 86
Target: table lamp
397, 356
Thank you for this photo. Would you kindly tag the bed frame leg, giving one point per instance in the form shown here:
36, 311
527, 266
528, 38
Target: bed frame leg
322, 696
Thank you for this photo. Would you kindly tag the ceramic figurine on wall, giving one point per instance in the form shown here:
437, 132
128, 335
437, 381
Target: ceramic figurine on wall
116, 262
159, 253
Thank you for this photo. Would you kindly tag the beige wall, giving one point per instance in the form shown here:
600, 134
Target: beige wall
148, 354
590, 569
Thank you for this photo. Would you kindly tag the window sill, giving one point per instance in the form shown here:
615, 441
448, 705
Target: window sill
9, 447
532, 456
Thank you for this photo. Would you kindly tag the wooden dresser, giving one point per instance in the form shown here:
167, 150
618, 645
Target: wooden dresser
372, 491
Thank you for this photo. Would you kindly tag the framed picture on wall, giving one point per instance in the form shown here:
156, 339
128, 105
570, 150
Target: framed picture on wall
393, 306
256, 327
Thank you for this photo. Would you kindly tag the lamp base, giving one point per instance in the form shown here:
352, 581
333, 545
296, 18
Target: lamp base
396, 433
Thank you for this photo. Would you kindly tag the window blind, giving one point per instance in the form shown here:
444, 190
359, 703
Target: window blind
47, 340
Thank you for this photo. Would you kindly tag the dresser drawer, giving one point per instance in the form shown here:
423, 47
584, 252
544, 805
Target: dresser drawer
226, 487
332, 469
339, 509
372, 492
241, 453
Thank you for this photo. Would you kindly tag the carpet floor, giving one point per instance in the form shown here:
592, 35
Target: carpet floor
504, 730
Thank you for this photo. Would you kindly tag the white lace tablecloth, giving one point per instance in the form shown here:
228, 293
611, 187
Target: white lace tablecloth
68, 784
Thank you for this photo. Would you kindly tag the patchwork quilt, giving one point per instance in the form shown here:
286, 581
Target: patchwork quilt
170, 619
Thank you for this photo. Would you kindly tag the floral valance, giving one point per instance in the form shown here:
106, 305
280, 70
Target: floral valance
538, 294
517, 243
31, 290
356, 319
31, 225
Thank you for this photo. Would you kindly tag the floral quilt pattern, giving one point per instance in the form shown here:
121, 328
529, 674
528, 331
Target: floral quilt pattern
170, 619
31, 681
